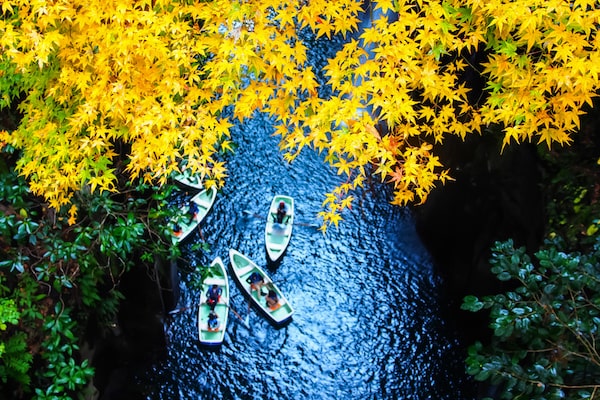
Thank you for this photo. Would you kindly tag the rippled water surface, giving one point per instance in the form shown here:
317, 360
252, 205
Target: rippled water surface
369, 321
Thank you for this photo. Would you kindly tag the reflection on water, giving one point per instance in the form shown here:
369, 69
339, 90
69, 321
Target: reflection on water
368, 321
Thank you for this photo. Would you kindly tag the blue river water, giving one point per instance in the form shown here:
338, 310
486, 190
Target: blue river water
370, 321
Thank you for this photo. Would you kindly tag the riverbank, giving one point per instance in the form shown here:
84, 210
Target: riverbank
136, 340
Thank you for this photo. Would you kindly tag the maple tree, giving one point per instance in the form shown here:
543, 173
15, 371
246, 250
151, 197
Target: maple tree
141, 88
159, 76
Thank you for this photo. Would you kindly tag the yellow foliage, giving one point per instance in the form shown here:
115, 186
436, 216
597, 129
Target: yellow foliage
158, 76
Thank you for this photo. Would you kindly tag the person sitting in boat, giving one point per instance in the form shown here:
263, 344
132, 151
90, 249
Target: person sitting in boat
193, 209
281, 213
255, 280
272, 300
177, 231
213, 321
213, 295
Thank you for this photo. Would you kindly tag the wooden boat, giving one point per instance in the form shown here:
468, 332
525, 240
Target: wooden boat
186, 180
241, 268
190, 218
204, 200
217, 276
278, 235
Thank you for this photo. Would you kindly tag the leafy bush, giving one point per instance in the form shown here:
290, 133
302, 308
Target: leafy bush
58, 268
545, 337
14, 360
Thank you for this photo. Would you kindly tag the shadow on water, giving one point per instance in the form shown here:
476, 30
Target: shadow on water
368, 320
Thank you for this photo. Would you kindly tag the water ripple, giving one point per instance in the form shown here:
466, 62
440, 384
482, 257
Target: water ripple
368, 321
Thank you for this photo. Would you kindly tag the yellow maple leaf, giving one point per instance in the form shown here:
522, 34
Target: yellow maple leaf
72, 215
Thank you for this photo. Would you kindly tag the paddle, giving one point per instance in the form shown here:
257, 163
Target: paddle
246, 324
178, 310
248, 315
255, 215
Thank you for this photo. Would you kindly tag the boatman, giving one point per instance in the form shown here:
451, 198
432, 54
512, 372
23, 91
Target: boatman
213, 295
281, 212
272, 300
255, 280
193, 210
177, 231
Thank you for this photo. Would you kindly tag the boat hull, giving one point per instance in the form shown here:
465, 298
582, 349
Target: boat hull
241, 268
188, 182
219, 277
278, 235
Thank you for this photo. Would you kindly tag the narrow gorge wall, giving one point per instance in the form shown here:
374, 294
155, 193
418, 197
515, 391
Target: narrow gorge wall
495, 197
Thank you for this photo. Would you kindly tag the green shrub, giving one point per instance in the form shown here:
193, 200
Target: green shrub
545, 331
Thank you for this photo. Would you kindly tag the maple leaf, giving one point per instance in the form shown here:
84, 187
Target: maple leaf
160, 82
385, 6
347, 202
324, 27
397, 176
72, 215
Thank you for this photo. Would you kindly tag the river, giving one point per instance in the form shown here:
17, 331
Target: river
370, 321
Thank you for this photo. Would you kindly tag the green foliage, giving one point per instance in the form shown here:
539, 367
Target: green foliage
63, 374
202, 272
14, 359
56, 270
546, 329
574, 191
8, 313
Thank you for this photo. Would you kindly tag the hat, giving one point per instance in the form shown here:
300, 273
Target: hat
281, 203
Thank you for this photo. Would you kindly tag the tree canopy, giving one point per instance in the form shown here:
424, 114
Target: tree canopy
153, 78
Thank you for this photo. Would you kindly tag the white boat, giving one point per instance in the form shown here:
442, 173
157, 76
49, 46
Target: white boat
186, 180
217, 276
279, 233
192, 214
241, 268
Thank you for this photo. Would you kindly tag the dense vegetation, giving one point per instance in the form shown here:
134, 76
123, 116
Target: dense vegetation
545, 330
113, 96
60, 274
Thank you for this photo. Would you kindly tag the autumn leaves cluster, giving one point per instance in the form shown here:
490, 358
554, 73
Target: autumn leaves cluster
161, 75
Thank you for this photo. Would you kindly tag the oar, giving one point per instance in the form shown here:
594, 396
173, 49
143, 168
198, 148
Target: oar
255, 215
178, 310
247, 320
246, 324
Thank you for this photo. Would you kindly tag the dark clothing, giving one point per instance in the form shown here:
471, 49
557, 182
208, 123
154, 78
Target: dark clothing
255, 277
281, 213
214, 292
213, 321
272, 299
193, 209
213, 295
